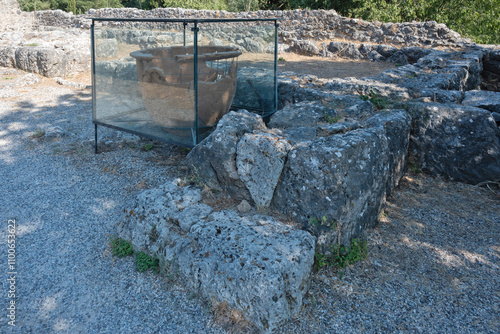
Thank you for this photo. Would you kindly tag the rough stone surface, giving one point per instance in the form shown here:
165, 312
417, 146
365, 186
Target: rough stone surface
318, 25
397, 126
50, 53
343, 177
375, 56
483, 99
305, 47
256, 265
244, 206
337, 47
215, 157
7, 56
496, 116
399, 58
453, 71
301, 114
45, 61
260, 160
460, 142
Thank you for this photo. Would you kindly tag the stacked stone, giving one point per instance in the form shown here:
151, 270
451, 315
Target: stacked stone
317, 25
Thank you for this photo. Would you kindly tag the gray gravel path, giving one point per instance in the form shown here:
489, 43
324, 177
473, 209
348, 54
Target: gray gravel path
433, 267
66, 201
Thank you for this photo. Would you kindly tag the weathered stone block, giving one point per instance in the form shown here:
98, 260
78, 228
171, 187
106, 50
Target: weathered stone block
344, 177
302, 114
257, 265
260, 160
337, 47
397, 126
483, 99
455, 141
7, 56
214, 159
305, 47
45, 61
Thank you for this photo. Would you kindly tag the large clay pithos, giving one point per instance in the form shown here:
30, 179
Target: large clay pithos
166, 79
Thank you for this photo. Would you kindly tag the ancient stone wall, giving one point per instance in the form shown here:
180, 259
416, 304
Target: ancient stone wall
320, 26
12, 18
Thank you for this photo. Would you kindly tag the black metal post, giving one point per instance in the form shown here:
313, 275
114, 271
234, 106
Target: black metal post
92, 51
195, 29
95, 139
184, 35
276, 25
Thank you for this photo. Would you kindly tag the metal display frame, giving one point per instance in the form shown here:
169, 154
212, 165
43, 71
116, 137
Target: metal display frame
196, 23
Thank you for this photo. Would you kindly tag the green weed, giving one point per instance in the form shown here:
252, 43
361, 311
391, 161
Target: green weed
342, 256
331, 119
145, 262
281, 60
414, 168
121, 248
323, 221
148, 147
379, 102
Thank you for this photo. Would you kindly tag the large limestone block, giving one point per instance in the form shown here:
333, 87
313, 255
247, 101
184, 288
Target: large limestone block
214, 159
483, 99
260, 160
396, 125
455, 141
344, 178
8, 56
45, 61
301, 114
257, 265
341, 178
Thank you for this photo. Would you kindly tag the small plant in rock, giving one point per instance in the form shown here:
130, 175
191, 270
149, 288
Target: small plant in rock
145, 262
32, 44
379, 102
281, 60
331, 119
121, 248
414, 168
8, 78
192, 180
148, 147
323, 221
320, 261
342, 256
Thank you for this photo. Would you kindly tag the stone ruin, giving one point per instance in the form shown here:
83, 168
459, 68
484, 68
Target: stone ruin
335, 148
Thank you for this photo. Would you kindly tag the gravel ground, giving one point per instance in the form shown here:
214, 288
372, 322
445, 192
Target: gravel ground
433, 261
